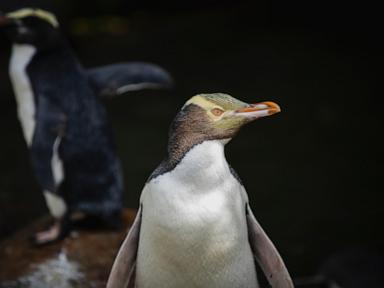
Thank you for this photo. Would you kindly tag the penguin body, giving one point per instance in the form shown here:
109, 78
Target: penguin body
63, 120
198, 204
194, 227
68, 112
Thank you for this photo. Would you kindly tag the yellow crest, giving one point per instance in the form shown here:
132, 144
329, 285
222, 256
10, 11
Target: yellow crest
25, 12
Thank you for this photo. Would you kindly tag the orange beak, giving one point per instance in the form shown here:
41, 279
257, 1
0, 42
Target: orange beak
259, 110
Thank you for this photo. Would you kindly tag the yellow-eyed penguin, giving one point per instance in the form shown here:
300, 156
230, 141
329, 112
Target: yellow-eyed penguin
194, 227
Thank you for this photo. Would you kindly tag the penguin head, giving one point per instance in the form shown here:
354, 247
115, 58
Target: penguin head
31, 26
217, 116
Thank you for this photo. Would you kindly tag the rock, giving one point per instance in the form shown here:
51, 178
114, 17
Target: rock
82, 260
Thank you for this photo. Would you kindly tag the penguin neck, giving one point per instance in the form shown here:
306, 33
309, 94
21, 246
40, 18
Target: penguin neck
209, 152
205, 160
21, 57
180, 144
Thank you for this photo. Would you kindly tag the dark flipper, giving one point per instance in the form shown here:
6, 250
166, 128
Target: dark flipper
267, 255
116, 79
123, 270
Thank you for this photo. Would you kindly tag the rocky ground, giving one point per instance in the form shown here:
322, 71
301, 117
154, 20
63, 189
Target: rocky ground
82, 260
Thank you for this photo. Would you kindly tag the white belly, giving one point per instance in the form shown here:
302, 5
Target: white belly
194, 231
21, 57
26, 111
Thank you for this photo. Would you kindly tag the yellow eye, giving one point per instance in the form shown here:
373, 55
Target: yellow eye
217, 111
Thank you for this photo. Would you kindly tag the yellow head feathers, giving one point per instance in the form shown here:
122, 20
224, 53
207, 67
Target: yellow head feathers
42, 14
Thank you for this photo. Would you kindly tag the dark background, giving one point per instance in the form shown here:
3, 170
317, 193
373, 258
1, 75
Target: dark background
313, 172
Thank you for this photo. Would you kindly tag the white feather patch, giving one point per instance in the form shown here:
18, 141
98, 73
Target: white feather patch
56, 163
137, 86
21, 57
56, 204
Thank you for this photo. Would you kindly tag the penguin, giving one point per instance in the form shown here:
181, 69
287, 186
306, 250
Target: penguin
195, 227
64, 123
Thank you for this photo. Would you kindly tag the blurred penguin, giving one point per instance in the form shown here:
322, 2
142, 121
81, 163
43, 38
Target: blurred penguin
64, 122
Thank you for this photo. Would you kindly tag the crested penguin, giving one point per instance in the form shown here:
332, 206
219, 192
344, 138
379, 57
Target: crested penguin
194, 227
64, 122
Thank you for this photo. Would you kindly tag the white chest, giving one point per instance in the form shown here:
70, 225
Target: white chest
20, 58
193, 231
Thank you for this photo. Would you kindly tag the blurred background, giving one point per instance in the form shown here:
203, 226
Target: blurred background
313, 172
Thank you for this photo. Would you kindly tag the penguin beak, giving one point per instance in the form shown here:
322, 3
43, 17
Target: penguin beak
4, 20
258, 110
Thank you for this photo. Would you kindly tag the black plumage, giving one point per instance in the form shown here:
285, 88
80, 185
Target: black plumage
67, 108
70, 118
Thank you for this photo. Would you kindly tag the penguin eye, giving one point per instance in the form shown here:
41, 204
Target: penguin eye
217, 111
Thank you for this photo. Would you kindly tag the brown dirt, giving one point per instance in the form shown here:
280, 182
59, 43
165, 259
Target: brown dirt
91, 252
